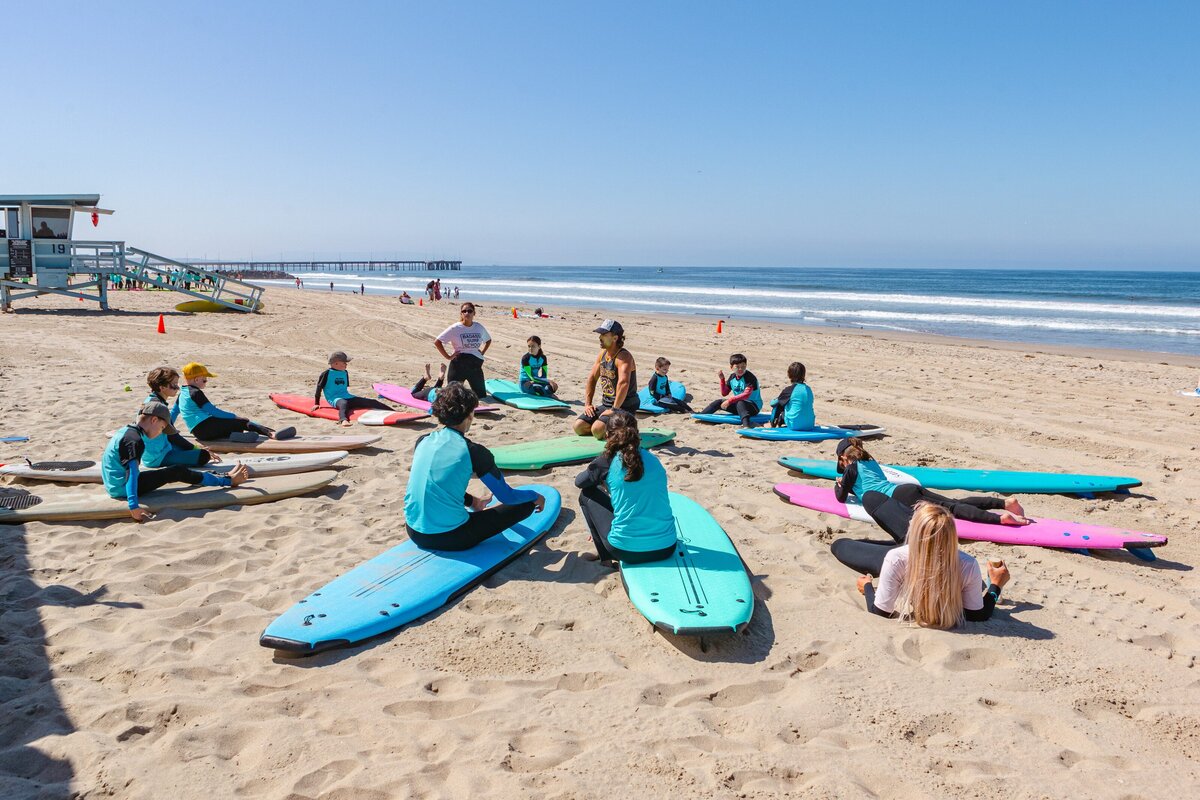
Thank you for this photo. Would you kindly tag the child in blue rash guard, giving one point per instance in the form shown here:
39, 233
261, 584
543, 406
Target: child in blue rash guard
171, 449
739, 394
206, 421
419, 390
534, 378
793, 409
334, 383
124, 479
436, 501
660, 388
624, 498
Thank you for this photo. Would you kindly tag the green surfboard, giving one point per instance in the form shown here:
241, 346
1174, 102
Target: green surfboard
564, 450
703, 589
510, 393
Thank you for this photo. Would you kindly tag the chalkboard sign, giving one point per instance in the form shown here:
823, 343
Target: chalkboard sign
20, 258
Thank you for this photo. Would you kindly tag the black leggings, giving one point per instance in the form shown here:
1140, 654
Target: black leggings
468, 369
862, 555
220, 428
348, 404
672, 404
480, 525
420, 392
894, 513
152, 479
598, 513
744, 409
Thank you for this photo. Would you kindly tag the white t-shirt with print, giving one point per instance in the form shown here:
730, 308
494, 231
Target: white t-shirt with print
463, 339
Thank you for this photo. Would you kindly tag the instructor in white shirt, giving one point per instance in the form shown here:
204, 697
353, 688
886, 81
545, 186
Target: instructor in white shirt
469, 340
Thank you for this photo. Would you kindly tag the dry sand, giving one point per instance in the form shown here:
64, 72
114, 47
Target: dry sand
130, 667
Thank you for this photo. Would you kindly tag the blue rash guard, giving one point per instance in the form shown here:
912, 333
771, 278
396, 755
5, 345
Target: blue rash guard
738, 386
642, 518
534, 369
862, 477
794, 408
443, 463
119, 464
195, 407
158, 450
335, 384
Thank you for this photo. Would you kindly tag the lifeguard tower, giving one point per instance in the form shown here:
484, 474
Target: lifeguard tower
39, 254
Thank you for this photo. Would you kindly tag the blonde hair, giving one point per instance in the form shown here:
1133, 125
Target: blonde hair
932, 592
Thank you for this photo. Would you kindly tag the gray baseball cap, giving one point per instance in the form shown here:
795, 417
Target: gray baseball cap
160, 410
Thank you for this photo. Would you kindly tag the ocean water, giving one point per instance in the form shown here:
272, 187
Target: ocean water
1150, 311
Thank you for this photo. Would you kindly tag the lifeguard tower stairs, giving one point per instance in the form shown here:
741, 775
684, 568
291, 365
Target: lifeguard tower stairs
39, 255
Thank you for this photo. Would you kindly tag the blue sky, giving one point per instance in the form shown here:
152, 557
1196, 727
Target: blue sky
700, 133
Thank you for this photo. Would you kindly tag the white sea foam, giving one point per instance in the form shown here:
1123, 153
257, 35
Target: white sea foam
619, 291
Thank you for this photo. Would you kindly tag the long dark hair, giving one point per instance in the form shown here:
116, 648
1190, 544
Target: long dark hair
623, 438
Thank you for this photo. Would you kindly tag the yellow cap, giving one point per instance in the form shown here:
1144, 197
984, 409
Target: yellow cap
194, 370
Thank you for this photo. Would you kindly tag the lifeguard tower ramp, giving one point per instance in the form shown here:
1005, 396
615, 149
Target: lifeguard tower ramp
38, 255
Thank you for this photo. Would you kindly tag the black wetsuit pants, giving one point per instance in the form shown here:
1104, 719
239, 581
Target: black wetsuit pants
220, 428
420, 392
744, 409
598, 514
348, 404
479, 526
152, 479
468, 369
894, 513
671, 404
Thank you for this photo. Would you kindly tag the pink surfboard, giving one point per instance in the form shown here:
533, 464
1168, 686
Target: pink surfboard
1040, 533
404, 396
367, 416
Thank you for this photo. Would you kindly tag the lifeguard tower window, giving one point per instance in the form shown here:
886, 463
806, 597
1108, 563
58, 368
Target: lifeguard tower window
51, 223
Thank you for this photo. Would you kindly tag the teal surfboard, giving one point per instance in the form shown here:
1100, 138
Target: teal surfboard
565, 450
979, 480
510, 393
731, 419
400, 585
703, 589
818, 434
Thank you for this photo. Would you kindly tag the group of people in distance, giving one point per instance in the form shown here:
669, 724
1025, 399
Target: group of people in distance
623, 493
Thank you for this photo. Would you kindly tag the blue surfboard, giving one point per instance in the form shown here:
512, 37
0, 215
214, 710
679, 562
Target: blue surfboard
979, 480
14, 439
731, 419
703, 588
678, 391
400, 585
818, 434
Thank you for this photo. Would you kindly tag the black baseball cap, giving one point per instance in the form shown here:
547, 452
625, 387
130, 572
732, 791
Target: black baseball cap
160, 410
611, 326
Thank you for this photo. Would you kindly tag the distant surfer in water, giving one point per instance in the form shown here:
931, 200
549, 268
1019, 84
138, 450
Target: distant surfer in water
624, 500
616, 373
436, 501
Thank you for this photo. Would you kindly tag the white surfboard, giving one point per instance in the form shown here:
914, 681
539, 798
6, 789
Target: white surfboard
64, 505
260, 466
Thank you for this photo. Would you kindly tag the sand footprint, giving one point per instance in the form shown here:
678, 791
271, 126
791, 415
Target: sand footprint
431, 709
814, 656
536, 751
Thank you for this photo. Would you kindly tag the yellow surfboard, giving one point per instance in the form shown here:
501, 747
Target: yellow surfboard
203, 306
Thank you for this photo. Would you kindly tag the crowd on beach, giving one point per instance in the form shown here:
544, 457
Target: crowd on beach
623, 493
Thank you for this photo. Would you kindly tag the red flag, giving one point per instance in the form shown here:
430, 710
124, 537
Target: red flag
95, 220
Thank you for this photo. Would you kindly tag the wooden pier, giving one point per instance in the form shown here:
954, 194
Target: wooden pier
327, 266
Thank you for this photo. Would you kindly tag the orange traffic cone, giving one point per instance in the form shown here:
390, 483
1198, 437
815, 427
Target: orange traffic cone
720, 325
162, 327
420, 301
514, 313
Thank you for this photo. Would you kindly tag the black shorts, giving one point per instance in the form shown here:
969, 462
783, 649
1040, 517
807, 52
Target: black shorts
601, 409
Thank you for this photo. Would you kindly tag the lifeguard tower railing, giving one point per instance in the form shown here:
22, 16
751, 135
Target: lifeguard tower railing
72, 267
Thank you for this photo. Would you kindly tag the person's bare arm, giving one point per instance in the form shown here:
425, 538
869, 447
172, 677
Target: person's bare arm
590, 388
441, 348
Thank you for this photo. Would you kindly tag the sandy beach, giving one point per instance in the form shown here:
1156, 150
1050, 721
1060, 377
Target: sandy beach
129, 656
